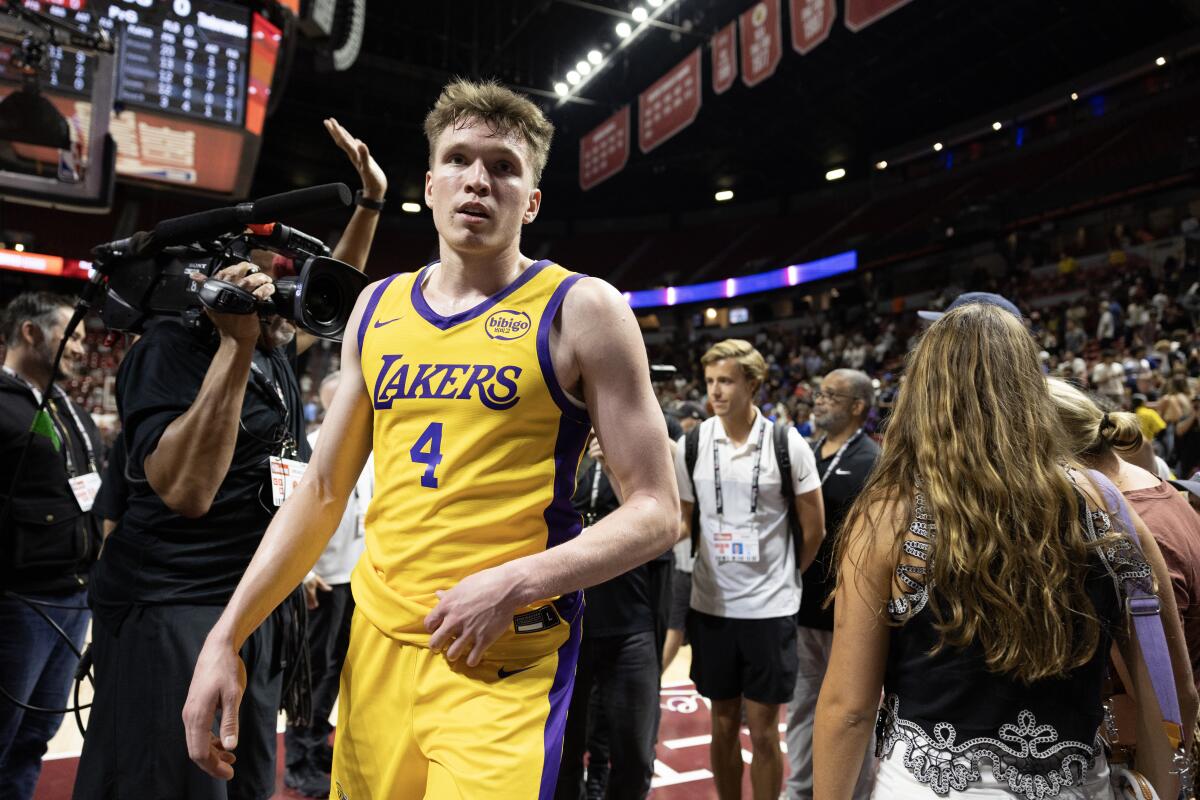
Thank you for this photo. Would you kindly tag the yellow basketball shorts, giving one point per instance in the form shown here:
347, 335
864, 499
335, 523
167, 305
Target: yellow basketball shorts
413, 725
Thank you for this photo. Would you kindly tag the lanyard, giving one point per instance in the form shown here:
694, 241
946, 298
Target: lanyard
274, 395
87, 441
837, 457
762, 429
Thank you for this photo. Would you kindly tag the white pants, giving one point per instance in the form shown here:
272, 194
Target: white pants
894, 782
814, 647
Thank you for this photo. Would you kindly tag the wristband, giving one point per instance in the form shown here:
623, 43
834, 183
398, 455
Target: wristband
366, 202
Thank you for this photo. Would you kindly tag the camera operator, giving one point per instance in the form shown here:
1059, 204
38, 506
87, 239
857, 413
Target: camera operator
209, 419
48, 537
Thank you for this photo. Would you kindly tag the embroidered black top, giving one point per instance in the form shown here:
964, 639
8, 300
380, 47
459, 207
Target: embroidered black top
953, 715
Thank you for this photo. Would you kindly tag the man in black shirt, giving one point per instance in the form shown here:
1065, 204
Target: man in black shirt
48, 536
209, 419
845, 457
619, 657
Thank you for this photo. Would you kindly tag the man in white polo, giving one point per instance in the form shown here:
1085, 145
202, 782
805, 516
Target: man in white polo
745, 585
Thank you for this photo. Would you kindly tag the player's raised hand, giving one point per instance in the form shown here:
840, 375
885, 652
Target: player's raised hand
374, 181
217, 683
469, 618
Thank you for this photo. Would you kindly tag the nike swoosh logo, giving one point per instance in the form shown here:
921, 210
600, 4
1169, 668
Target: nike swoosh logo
381, 323
504, 673
841, 472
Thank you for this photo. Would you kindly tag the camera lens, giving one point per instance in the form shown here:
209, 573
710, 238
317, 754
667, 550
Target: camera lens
323, 300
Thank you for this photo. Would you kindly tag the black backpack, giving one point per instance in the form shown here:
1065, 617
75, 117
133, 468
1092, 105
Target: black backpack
779, 435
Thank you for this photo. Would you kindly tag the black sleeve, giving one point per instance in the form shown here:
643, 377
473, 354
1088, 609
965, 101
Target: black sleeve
158, 380
110, 501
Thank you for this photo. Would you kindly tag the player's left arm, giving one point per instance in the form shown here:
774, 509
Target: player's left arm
607, 356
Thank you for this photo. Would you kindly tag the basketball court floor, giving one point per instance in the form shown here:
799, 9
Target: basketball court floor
680, 770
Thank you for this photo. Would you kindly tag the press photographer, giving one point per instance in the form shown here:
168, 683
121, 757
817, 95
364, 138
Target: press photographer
213, 427
48, 538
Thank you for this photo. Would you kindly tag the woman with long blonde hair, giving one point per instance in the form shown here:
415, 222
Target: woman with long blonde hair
976, 587
1102, 440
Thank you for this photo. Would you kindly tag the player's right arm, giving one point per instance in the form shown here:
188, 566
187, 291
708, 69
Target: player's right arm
289, 549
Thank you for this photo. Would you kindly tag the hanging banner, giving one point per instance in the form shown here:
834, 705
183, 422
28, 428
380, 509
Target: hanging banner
670, 104
812, 20
762, 46
724, 58
861, 13
604, 152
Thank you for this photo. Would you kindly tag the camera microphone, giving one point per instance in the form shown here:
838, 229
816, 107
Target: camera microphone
300, 201
287, 238
208, 224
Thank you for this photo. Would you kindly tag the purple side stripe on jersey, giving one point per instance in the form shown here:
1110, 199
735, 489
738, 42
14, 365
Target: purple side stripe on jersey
545, 324
445, 323
369, 311
560, 699
563, 522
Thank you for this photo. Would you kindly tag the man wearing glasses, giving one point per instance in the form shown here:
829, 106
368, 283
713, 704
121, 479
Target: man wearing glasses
845, 455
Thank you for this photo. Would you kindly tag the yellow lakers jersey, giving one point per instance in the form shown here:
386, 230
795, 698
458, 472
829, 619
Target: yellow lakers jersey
476, 448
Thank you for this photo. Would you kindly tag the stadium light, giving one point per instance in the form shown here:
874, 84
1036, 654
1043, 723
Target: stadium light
639, 14
937, 147
835, 174
880, 165
561, 89
623, 29
583, 68
410, 208
572, 77
996, 126
723, 195
1074, 96
595, 56
1160, 61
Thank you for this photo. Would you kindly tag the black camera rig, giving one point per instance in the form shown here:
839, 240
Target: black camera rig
148, 276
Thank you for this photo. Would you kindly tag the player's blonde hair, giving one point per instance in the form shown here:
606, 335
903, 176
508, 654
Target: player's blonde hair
754, 367
504, 111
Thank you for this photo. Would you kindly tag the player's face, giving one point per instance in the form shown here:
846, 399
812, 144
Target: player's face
480, 188
729, 390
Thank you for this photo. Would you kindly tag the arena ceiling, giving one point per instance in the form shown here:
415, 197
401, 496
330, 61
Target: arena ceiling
923, 69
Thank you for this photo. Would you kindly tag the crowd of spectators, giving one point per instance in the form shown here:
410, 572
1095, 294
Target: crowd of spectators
1125, 332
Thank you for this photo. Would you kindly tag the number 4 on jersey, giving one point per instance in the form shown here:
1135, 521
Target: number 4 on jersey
431, 457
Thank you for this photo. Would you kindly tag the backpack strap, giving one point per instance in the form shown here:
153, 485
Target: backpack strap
784, 459
691, 451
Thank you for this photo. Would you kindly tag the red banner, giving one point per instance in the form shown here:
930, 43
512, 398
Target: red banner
812, 20
670, 104
604, 151
762, 47
861, 13
724, 58
31, 262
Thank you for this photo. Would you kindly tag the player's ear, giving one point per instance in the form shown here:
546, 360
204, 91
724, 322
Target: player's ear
535, 203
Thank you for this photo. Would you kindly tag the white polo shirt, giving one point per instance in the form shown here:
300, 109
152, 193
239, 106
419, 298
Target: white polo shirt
769, 587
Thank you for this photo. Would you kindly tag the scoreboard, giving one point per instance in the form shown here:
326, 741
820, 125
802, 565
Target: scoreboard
186, 57
192, 82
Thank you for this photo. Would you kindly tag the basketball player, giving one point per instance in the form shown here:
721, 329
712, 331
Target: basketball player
476, 379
